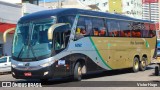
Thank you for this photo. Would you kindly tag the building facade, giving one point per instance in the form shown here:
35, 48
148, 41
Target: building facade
132, 8
102, 5
64, 4
151, 11
11, 11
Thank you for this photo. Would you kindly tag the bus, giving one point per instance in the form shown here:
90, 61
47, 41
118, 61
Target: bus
158, 47
72, 42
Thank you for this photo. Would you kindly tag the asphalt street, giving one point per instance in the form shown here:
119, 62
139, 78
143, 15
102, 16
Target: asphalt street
113, 80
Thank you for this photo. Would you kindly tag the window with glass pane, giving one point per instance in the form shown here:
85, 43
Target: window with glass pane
113, 28
125, 28
3, 60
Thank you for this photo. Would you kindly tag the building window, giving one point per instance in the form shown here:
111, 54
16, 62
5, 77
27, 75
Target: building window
104, 4
131, 2
97, 4
127, 3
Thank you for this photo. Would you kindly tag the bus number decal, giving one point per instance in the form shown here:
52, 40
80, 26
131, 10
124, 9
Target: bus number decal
78, 45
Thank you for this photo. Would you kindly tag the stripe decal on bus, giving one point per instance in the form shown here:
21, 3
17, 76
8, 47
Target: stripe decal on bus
99, 54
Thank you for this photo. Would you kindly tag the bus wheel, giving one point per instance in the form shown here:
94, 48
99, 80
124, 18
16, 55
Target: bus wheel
77, 72
143, 64
156, 70
135, 65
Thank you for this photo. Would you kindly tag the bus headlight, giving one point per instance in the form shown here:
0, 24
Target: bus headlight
45, 65
13, 65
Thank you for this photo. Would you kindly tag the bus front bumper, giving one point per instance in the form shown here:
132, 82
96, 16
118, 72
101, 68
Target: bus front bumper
43, 73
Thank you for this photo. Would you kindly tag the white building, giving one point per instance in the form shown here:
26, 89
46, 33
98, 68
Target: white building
101, 4
132, 8
12, 1
10, 13
153, 12
64, 4
28, 8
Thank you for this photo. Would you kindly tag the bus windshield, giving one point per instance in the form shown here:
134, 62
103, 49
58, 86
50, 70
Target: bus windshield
31, 39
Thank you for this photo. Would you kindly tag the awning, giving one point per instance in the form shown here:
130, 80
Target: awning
5, 26
94, 7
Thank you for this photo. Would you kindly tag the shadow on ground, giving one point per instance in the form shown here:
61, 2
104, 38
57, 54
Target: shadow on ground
62, 81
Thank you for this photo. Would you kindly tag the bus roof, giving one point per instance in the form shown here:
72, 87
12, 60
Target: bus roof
74, 11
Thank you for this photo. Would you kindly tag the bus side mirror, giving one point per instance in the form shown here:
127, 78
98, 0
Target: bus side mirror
62, 27
5, 34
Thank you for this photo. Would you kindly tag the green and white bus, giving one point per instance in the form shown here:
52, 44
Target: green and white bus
72, 42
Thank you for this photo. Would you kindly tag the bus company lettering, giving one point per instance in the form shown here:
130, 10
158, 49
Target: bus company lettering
137, 43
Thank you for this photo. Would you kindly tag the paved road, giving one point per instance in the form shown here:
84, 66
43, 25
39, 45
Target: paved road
100, 79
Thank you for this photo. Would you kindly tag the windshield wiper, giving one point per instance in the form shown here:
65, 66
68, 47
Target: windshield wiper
33, 52
20, 52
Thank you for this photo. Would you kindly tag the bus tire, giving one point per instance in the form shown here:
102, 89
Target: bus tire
156, 70
135, 65
78, 72
143, 64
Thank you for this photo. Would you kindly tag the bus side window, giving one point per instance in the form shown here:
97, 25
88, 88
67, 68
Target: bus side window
88, 26
137, 29
66, 19
102, 31
127, 33
122, 34
98, 27
113, 28
125, 29
80, 32
145, 30
95, 31
152, 29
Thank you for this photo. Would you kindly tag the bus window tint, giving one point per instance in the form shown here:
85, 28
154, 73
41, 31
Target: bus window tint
88, 24
125, 30
136, 29
113, 28
98, 27
80, 25
152, 31
81, 28
145, 30
59, 41
67, 19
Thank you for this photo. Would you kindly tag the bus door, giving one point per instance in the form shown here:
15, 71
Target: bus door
60, 41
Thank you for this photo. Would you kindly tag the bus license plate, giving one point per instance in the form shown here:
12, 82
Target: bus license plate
28, 74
